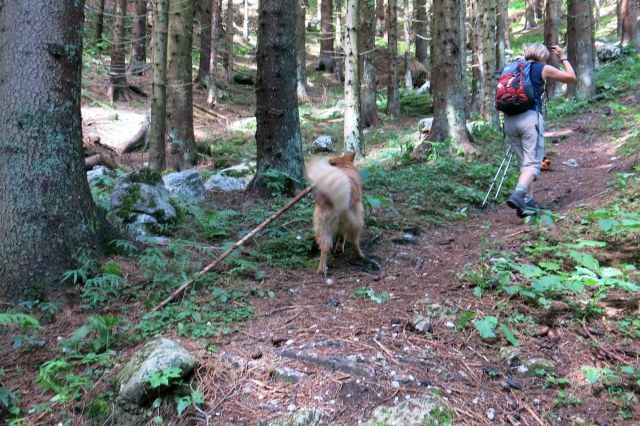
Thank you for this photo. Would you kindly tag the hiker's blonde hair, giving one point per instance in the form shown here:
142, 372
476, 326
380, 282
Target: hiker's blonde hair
537, 52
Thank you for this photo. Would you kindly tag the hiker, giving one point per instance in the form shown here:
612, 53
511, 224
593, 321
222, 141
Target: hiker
526, 130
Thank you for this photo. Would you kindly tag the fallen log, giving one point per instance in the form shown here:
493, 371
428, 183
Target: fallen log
96, 159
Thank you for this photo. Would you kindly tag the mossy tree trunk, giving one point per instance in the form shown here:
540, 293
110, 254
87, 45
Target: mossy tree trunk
117, 71
99, 21
157, 128
229, 31
393, 95
553, 9
475, 13
629, 23
489, 37
212, 96
181, 144
380, 12
406, 16
352, 124
326, 61
278, 138
580, 47
448, 75
49, 219
138, 61
421, 31
366, 39
301, 57
204, 22
530, 14
502, 24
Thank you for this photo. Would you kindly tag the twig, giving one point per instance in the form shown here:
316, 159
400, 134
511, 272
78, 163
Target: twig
233, 247
211, 112
601, 345
534, 415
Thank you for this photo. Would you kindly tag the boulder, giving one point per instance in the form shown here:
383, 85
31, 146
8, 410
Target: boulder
421, 324
97, 173
608, 51
225, 183
323, 143
424, 410
155, 356
239, 170
186, 186
302, 417
425, 124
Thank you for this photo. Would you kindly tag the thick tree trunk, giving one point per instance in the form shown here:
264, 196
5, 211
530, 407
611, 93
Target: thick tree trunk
530, 14
99, 21
619, 18
245, 22
380, 13
157, 127
181, 145
338, 27
301, 61
138, 61
580, 47
229, 30
406, 12
629, 23
49, 220
539, 10
448, 75
476, 8
502, 24
393, 95
326, 62
203, 15
352, 126
369, 109
421, 31
117, 71
278, 138
489, 37
212, 98
553, 9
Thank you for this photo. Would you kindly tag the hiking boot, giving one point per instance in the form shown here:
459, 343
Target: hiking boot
516, 201
531, 208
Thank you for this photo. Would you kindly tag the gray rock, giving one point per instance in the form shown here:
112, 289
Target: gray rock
323, 143
415, 411
155, 356
421, 323
289, 375
302, 417
510, 355
186, 186
491, 414
425, 125
313, 25
225, 183
97, 172
537, 365
239, 170
608, 51
424, 88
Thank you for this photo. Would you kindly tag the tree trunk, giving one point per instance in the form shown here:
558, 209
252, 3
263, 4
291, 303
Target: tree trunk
326, 62
181, 145
212, 98
352, 126
530, 14
619, 18
138, 61
553, 9
629, 23
380, 24
369, 109
117, 70
393, 95
476, 8
157, 128
278, 138
502, 24
301, 62
99, 21
489, 37
228, 58
580, 47
49, 220
339, 41
408, 81
448, 75
203, 14
245, 22
421, 31
539, 8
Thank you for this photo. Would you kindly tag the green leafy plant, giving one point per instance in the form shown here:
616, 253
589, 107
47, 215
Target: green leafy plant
164, 378
487, 327
100, 326
55, 376
366, 292
194, 398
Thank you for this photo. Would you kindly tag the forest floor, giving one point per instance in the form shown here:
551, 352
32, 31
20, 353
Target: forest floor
347, 343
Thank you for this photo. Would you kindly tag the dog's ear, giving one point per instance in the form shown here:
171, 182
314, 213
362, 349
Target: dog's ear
350, 156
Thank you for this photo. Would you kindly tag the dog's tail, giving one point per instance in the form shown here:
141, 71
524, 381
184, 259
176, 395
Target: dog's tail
332, 182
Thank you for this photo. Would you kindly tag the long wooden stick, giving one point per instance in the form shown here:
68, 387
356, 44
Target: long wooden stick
233, 247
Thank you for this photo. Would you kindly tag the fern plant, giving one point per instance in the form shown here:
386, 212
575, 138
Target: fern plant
20, 320
102, 326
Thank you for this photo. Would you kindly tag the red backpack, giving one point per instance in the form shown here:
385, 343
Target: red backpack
514, 93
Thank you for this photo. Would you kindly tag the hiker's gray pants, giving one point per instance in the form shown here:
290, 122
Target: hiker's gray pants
526, 136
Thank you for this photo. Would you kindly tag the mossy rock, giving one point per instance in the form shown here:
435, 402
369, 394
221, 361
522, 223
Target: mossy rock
148, 176
424, 410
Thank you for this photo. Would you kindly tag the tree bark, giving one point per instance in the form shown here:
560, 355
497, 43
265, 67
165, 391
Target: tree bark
212, 97
629, 23
157, 128
502, 25
553, 9
393, 95
368, 106
448, 75
352, 125
380, 24
99, 22
245, 22
203, 14
476, 9
229, 30
489, 37
339, 41
530, 14
181, 145
49, 220
117, 70
619, 18
408, 81
278, 138
421, 31
326, 62
580, 47
138, 61
539, 8
301, 61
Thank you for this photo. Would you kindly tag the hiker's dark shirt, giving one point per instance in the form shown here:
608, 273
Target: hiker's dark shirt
538, 85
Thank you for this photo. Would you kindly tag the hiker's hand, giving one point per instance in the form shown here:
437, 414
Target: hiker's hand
557, 50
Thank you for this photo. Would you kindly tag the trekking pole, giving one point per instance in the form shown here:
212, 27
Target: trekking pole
506, 169
495, 178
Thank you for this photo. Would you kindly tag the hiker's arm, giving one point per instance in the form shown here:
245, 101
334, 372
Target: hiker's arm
566, 76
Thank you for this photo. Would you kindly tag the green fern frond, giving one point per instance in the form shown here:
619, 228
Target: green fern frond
23, 321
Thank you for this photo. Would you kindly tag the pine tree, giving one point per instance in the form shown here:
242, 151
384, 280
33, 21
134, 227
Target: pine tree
393, 95
117, 70
352, 126
369, 109
138, 61
157, 128
551, 38
580, 47
629, 23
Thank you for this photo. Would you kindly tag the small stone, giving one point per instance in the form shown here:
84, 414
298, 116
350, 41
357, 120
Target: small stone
421, 324
491, 414
450, 325
571, 163
510, 355
395, 384
323, 143
542, 331
329, 281
291, 407
522, 370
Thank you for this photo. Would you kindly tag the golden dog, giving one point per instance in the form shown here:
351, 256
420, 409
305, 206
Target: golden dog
338, 213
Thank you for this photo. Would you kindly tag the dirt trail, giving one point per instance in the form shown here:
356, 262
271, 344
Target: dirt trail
354, 354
